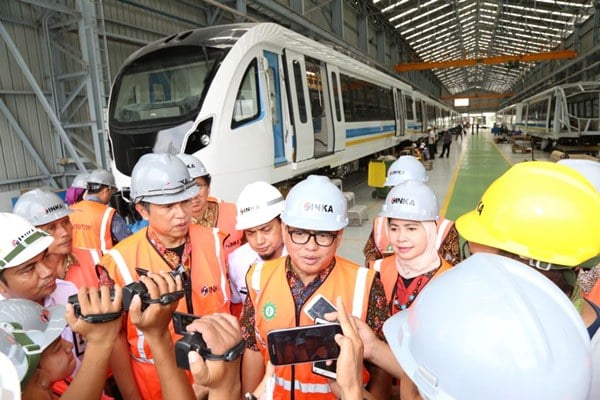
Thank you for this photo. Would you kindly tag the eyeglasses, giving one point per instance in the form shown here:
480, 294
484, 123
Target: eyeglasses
324, 239
201, 186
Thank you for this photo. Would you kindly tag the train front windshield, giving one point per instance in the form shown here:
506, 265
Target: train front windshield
165, 86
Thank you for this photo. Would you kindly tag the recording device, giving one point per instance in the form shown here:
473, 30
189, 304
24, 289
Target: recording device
195, 342
189, 342
129, 291
140, 289
182, 320
93, 318
303, 344
321, 367
318, 306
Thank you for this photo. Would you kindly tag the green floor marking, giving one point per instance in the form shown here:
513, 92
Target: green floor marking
479, 165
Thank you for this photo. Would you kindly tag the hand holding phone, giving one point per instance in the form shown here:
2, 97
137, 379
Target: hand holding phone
318, 306
303, 344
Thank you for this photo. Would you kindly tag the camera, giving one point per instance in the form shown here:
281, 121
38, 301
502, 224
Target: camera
189, 342
129, 291
140, 289
94, 318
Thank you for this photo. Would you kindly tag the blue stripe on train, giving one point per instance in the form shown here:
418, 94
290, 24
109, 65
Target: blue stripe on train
371, 130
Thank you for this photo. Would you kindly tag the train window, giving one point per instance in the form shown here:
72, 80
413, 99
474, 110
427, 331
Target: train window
386, 103
299, 81
247, 103
419, 111
410, 114
315, 91
166, 84
336, 96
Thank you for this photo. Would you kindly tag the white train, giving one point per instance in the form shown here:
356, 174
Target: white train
567, 114
259, 102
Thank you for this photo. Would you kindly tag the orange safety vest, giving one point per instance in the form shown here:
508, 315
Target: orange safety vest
274, 309
83, 270
382, 242
390, 278
226, 219
210, 290
594, 294
92, 222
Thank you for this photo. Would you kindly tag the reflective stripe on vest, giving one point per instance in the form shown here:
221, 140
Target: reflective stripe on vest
122, 265
302, 386
442, 232
127, 279
255, 279
360, 289
103, 227
377, 265
224, 284
379, 234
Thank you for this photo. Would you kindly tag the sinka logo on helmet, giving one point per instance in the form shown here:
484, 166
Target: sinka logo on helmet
402, 200
308, 206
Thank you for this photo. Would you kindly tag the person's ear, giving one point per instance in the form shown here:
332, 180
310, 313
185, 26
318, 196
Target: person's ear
145, 213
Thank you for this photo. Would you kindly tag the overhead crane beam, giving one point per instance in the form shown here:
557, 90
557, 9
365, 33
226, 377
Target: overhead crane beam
531, 57
478, 96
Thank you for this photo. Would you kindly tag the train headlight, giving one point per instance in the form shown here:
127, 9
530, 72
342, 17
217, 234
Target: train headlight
200, 138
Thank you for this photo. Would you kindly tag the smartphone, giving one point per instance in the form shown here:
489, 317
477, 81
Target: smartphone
318, 306
303, 344
182, 320
321, 368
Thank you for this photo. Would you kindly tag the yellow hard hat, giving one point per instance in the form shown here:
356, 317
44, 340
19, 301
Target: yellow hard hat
540, 210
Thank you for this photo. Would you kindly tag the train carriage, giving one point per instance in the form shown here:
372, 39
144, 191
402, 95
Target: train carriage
564, 114
256, 102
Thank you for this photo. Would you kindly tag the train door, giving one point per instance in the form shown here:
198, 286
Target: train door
399, 110
337, 113
320, 106
274, 87
298, 95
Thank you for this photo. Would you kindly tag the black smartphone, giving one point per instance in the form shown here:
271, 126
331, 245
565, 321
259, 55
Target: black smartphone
303, 344
182, 320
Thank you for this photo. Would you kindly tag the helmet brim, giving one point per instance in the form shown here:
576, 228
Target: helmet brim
56, 326
161, 199
52, 217
474, 231
30, 251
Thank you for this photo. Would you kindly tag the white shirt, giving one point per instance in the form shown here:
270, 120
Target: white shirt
240, 261
61, 294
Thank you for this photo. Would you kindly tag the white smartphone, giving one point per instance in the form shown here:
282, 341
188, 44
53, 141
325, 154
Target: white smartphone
318, 306
321, 368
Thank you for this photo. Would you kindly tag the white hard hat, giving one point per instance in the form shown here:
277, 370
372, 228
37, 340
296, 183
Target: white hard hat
101, 177
15, 366
20, 241
161, 178
257, 204
194, 166
316, 204
41, 207
588, 168
411, 200
80, 180
492, 328
42, 325
405, 168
